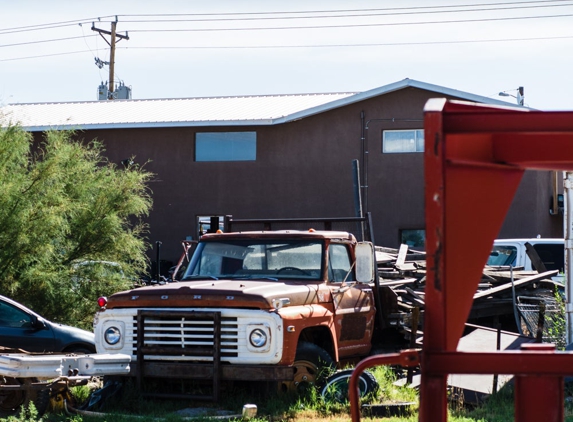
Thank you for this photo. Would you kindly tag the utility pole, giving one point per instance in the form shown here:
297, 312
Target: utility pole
113, 36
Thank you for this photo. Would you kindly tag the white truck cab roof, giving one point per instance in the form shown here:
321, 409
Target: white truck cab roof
513, 252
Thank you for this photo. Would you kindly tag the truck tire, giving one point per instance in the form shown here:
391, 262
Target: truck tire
336, 387
312, 365
80, 350
11, 402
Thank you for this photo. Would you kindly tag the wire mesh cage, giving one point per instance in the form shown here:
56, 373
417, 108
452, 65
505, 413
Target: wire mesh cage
543, 318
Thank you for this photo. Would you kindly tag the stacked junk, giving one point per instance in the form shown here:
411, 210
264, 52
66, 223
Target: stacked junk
475, 157
511, 307
510, 299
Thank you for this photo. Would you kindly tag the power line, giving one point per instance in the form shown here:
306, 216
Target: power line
42, 41
520, 3
335, 16
351, 45
297, 27
393, 10
51, 25
360, 25
395, 44
44, 55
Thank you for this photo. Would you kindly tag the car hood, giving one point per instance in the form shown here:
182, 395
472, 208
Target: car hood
67, 335
222, 293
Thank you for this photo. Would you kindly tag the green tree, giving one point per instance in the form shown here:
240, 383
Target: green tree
63, 205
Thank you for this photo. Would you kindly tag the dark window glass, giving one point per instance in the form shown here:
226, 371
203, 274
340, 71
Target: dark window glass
13, 317
413, 238
502, 255
339, 265
552, 255
395, 141
257, 259
226, 146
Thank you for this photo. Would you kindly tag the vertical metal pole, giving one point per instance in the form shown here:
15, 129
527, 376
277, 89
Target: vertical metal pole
540, 323
140, 344
433, 396
568, 233
413, 334
539, 397
497, 347
158, 244
357, 196
364, 180
356, 185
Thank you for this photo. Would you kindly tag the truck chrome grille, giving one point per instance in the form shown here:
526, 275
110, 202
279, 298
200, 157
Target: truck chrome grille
187, 334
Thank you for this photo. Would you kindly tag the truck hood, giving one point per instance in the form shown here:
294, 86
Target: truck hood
252, 294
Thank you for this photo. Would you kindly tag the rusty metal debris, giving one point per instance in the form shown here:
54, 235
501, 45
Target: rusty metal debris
523, 302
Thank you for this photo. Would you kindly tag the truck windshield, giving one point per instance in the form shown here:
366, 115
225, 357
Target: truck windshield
257, 259
502, 255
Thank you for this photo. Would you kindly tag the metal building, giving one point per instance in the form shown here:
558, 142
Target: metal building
277, 156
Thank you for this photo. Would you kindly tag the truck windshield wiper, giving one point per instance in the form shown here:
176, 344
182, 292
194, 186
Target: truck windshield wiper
199, 277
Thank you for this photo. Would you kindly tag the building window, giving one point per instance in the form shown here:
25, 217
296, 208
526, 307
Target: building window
415, 239
226, 146
394, 141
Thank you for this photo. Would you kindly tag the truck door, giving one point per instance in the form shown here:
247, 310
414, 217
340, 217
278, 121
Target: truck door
353, 303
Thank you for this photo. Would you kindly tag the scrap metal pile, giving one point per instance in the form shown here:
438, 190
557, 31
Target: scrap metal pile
524, 302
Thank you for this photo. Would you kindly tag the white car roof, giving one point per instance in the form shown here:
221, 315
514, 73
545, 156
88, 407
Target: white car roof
532, 240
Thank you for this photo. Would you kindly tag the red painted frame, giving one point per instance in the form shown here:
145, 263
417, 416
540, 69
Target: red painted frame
475, 156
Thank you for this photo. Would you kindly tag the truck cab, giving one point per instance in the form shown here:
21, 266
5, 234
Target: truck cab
514, 253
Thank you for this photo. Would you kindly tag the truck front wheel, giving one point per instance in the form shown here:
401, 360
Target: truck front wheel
312, 365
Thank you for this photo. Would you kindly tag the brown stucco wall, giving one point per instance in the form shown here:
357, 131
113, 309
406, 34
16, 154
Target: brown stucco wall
304, 169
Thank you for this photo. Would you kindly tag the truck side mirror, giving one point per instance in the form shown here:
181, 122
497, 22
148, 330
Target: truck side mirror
364, 262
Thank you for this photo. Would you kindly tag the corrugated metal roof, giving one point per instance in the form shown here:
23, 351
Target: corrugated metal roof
212, 111
164, 112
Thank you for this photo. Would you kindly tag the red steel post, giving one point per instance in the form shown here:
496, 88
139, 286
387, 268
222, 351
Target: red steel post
475, 156
539, 397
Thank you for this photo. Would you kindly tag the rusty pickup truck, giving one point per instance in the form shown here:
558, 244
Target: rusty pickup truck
258, 305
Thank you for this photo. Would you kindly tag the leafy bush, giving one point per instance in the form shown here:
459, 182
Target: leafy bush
62, 202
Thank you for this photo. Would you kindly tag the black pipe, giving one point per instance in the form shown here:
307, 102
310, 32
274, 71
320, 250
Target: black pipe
158, 244
364, 166
357, 196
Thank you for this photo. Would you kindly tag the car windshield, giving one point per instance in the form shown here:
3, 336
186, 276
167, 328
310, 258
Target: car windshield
257, 259
502, 255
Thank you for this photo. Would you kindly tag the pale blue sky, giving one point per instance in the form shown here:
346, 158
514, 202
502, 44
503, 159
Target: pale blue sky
375, 44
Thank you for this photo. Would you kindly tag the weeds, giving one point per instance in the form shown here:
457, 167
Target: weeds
556, 323
28, 413
131, 405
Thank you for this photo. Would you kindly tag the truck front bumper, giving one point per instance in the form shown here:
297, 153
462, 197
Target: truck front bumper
19, 365
204, 371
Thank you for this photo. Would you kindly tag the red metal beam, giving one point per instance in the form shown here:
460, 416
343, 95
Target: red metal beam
475, 156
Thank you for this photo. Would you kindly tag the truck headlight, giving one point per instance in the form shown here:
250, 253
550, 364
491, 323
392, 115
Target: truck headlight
258, 338
112, 335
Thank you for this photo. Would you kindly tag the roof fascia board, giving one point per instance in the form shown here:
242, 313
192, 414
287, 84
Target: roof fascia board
386, 89
460, 94
150, 125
